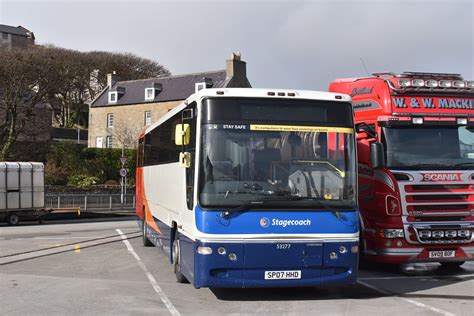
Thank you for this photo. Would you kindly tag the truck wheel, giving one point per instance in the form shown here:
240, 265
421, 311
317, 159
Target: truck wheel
146, 241
452, 264
13, 219
176, 253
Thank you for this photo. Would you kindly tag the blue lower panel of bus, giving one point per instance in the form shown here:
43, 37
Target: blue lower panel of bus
262, 264
275, 264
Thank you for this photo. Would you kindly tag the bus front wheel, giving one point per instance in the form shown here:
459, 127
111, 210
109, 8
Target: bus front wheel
177, 260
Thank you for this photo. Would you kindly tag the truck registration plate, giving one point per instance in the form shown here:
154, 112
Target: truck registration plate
442, 254
283, 275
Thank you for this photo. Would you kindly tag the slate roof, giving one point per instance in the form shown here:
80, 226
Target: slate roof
17, 30
173, 88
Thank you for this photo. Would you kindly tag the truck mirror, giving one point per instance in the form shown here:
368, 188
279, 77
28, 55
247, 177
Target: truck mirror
377, 157
182, 134
367, 129
361, 136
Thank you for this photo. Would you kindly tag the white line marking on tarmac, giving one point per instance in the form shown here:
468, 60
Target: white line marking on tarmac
150, 277
439, 277
416, 303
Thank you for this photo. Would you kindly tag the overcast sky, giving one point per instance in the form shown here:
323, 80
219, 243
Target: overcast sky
286, 44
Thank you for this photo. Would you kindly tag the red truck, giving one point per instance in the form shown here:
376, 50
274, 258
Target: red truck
415, 143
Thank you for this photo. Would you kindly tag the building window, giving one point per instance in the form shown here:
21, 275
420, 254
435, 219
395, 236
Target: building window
113, 96
147, 118
109, 141
5, 36
149, 94
110, 120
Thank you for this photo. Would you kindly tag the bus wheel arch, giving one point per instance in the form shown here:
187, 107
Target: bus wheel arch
146, 241
173, 232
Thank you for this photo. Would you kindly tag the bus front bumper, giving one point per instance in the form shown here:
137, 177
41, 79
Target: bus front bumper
275, 263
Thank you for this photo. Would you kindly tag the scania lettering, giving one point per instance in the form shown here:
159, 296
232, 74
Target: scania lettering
415, 143
252, 188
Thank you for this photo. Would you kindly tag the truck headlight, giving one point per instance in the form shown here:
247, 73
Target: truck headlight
393, 233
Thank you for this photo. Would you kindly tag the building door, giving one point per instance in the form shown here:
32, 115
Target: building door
98, 142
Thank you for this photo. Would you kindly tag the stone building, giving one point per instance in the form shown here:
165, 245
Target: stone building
124, 108
15, 37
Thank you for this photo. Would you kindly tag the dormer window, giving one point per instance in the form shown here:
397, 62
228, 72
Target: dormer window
152, 90
199, 86
116, 94
149, 94
113, 96
204, 84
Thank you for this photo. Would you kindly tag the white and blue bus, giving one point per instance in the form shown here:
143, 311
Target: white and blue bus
252, 188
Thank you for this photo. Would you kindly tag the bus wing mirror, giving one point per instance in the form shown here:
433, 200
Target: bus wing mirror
377, 157
185, 159
182, 134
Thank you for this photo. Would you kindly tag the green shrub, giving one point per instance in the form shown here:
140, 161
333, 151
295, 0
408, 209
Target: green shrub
82, 181
73, 164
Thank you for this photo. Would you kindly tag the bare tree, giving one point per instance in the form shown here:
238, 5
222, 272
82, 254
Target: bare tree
23, 85
125, 134
79, 77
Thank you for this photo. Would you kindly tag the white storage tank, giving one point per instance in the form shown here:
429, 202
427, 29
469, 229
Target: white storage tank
21, 185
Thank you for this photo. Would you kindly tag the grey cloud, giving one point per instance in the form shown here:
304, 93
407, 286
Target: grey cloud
287, 44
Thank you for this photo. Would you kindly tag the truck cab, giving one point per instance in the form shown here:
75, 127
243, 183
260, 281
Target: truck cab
415, 143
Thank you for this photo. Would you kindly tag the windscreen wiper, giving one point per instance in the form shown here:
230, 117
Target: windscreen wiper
427, 165
240, 208
461, 164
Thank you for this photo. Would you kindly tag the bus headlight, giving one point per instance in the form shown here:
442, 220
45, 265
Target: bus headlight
342, 249
232, 256
204, 250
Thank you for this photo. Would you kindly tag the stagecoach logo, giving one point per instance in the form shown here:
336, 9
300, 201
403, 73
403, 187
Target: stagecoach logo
441, 177
264, 222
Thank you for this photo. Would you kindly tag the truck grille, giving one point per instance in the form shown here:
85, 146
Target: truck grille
421, 200
437, 211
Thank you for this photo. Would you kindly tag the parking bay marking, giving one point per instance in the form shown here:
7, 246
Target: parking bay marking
149, 276
436, 277
416, 303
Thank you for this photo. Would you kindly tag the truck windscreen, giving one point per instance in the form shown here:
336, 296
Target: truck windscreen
429, 147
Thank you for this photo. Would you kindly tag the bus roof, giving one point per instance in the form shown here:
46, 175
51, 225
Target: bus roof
252, 93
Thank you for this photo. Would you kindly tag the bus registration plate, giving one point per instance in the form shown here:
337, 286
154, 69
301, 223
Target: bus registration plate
442, 254
283, 275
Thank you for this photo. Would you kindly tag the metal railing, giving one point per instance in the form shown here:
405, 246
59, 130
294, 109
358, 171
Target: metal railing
92, 202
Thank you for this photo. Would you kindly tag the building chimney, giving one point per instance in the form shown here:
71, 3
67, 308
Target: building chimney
112, 79
236, 72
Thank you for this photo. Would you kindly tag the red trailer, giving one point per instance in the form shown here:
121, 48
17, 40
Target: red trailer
415, 142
